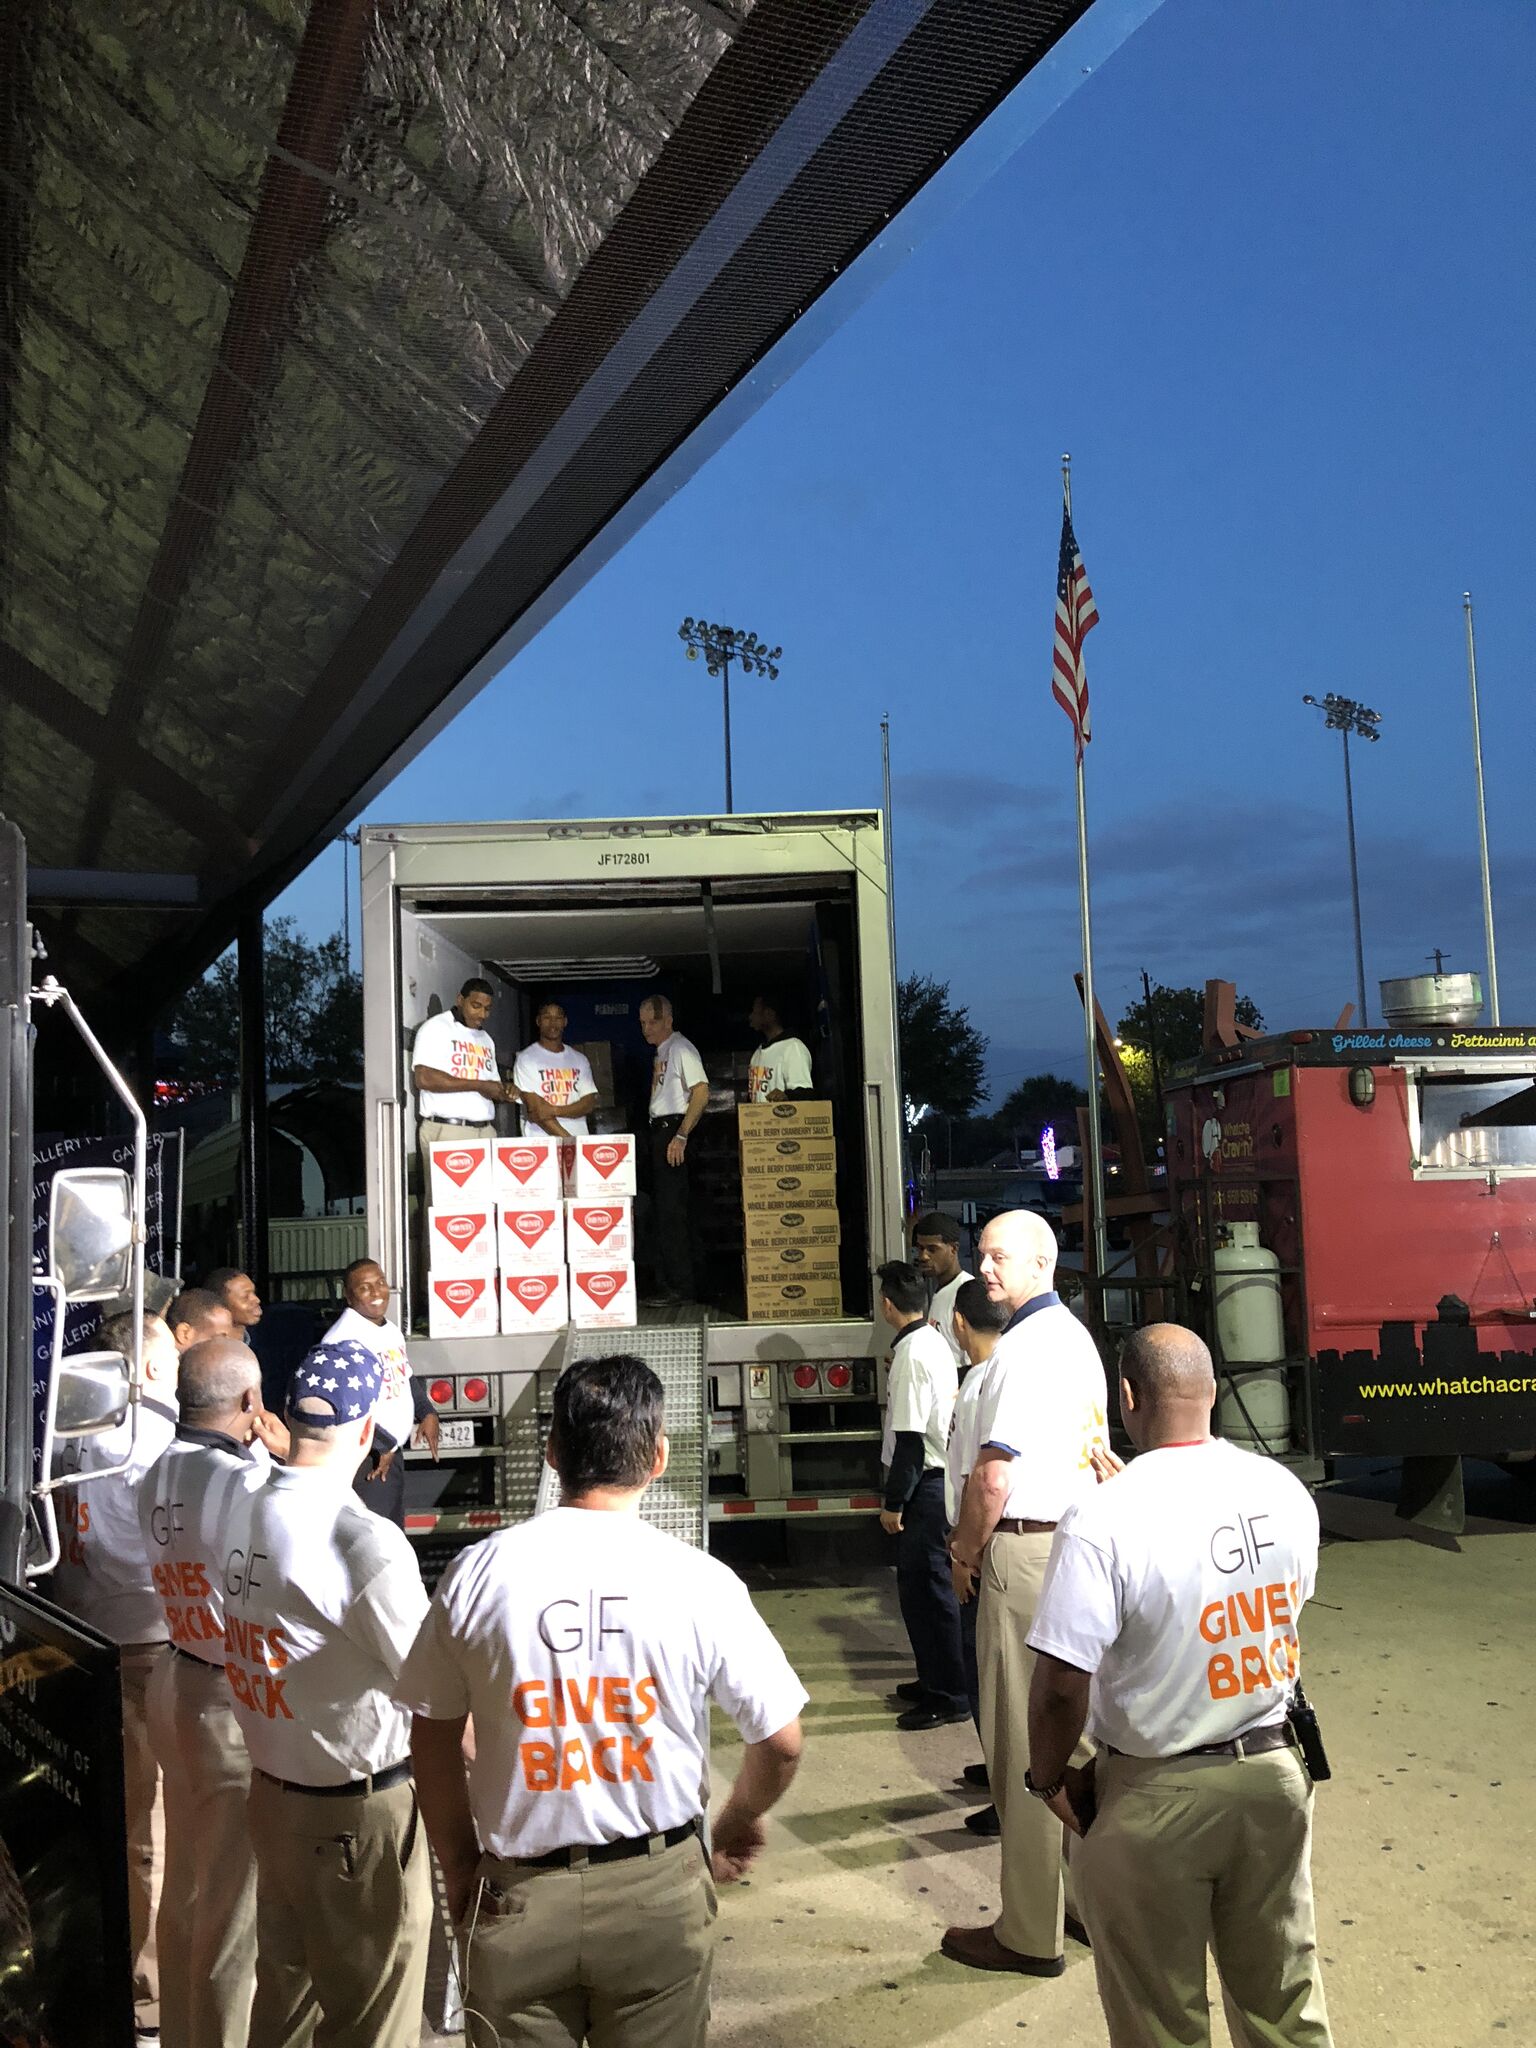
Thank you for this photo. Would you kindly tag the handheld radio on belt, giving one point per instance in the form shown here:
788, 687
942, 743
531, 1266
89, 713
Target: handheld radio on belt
1301, 1719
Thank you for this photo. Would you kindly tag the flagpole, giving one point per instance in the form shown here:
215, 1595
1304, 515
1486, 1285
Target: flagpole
1482, 816
1093, 1179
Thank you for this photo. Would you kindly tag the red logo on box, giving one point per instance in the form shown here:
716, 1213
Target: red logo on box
521, 1161
602, 1287
604, 1157
458, 1164
532, 1224
460, 1231
533, 1291
459, 1295
597, 1223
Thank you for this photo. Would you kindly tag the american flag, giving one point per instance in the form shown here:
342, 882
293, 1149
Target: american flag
1076, 617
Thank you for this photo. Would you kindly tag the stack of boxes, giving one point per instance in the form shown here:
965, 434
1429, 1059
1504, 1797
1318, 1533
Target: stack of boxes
528, 1234
791, 1233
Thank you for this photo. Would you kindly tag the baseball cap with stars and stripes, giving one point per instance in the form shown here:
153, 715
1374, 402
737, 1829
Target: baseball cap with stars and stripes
344, 1377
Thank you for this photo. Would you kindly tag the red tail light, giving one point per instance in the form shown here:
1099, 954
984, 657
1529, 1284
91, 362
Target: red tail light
805, 1375
440, 1393
474, 1393
839, 1376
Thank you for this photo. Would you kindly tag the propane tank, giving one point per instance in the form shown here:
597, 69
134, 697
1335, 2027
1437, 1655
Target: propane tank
1253, 1408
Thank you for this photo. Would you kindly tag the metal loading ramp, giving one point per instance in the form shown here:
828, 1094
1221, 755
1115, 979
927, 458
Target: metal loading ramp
676, 1503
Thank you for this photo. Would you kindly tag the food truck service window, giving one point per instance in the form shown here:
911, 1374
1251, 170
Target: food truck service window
1473, 1124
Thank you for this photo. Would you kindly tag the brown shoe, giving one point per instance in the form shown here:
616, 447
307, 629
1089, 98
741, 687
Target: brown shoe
979, 1949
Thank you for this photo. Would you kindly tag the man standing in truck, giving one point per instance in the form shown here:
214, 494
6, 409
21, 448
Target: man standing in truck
554, 1079
781, 1066
453, 1064
679, 1092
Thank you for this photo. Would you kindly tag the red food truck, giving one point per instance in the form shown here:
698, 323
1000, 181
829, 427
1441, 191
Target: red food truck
1359, 1208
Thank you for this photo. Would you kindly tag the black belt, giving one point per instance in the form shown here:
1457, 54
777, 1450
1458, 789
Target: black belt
1020, 1525
607, 1852
672, 1117
355, 1788
464, 1123
203, 1663
1258, 1742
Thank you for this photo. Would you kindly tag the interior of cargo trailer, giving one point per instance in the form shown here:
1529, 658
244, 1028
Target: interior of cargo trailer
599, 950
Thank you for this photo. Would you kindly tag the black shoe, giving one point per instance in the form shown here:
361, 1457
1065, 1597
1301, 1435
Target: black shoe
1075, 1930
918, 1718
912, 1693
976, 1774
984, 1821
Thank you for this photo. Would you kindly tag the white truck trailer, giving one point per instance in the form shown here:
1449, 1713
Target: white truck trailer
597, 914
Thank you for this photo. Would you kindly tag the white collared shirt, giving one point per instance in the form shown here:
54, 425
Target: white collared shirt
941, 1313
1044, 1402
186, 1500
920, 1395
103, 1573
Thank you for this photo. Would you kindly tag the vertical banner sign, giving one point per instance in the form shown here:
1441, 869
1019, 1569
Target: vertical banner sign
162, 1201
63, 1875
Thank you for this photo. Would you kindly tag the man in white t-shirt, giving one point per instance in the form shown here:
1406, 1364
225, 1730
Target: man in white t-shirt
920, 1400
1040, 1414
103, 1576
781, 1066
554, 1079
205, 1930
403, 1412
1168, 1622
588, 1647
936, 1254
679, 1096
322, 1602
979, 1323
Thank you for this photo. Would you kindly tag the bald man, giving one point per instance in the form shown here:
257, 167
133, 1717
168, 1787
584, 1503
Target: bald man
1169, 1615
1038, 1420
206, 1930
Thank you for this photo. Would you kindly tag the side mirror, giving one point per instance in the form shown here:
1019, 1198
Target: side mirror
92, 1393
90, 1232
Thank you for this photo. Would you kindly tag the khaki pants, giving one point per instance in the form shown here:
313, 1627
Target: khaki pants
1194, 1852
1034, 1891
138, 1663
205, 1932
343, 1910
618, 1954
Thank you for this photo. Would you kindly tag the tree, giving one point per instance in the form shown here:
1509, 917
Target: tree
1043, 1099
943, 1055
314, 1005
1173, 1022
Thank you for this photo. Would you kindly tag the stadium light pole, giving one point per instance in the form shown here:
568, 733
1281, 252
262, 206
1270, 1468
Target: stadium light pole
720, 646
1344, 715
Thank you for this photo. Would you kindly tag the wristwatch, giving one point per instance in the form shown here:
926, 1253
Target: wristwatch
1046, 1792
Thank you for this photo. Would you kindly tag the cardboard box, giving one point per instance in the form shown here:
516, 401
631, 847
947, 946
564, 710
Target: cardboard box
459, 1174
605, 1167
600, 1233
767, 1229
462, 1305
533, 1300
599, 1052
795, 1301
792, 1262
779, 1191
567, 1168
603, 1297
531, 1234
526, 1170
461, 1241
784, 1119
761, 1157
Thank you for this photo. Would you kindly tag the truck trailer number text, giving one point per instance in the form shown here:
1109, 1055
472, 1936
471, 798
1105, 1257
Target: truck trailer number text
623, 860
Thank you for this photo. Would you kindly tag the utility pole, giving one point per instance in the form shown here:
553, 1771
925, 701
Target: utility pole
1482, 816
1344, 715
720, 646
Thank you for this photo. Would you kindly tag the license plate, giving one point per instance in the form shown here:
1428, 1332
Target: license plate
456, 1436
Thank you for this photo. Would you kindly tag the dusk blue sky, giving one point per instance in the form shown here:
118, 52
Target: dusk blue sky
1268, 275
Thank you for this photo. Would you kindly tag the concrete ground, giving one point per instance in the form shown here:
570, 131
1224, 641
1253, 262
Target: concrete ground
1419, 1661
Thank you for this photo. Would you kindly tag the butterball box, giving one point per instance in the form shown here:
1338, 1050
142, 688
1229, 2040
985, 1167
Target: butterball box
459, 1172
600, 1233
526, 1170
605, 1167
531, 1234
603, 1297
794, 1301
462, 1305
533, 1301
784, 1120
461, 1240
